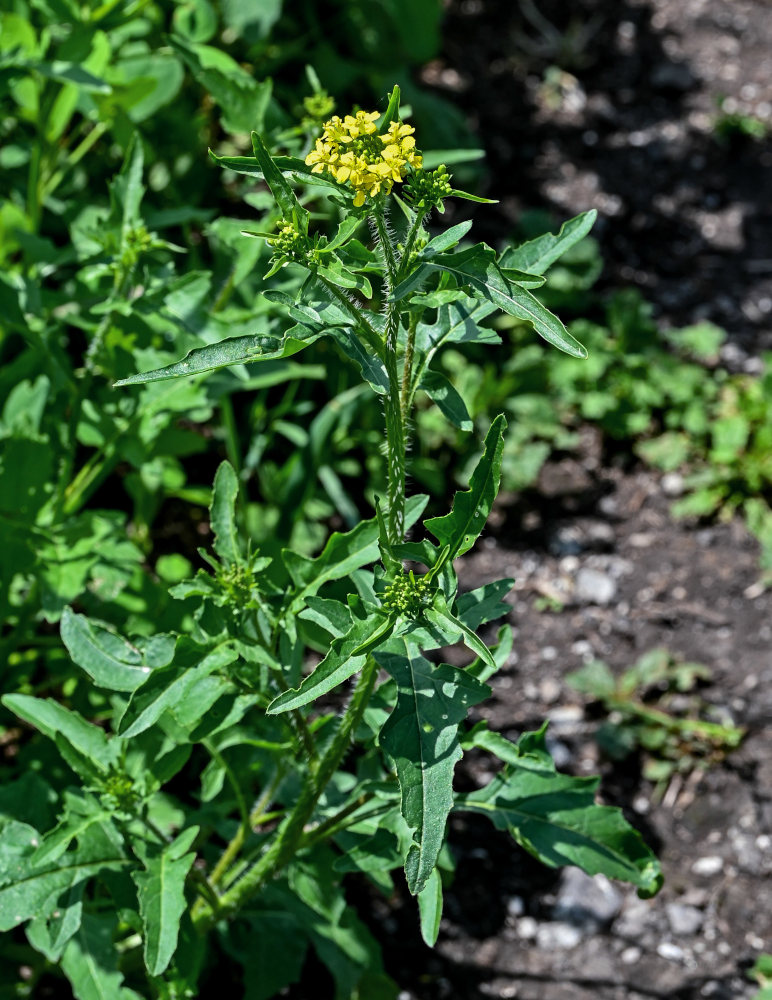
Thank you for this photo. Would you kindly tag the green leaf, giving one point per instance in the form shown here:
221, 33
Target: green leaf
421, 737
461, 527
453, 629
243, 100
346, 656
49, 935
555, 818
222, 511
109, 660
441, 392
484, 604
430, 908
477, 268
391, 113
473, 197
342, 554
288, 204
537, 255
449, 238
171, 686
258, 942
161, 894
337, 274
231, 351
89, 742
34, 893
90, 961
290, 166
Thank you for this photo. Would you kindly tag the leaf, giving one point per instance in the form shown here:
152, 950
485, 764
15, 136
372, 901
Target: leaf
454, 193
449, 238
430, 908
166, 688
288, 204
243, 100
54, 720
453, 629
109, 660
160, 890
290, 166
90, 961
231, 351
346, 656
461, 527
421, 737
258, 942
477, 268
484, 604
49, 935
34, 894
554, 817
537, 255
335, 272
343, 553
391, 113
223, 514
440, 390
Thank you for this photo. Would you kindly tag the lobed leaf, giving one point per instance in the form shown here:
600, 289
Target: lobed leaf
160, 890
460, 528
421, 737
555, 818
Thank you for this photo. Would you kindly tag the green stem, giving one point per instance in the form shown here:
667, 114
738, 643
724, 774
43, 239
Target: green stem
370, 334
407, 371
291, 830
396, 443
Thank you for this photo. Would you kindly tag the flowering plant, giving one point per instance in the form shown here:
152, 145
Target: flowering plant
288, 662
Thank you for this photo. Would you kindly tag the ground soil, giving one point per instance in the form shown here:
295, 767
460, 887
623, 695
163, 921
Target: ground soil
603, 571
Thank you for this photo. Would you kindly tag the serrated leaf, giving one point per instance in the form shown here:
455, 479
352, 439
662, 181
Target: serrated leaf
90, 961
222, 511
108, 659
537, 255
444, 395
555, 818
49, 935
231, 351
460, 528
421, 737
160, 890
345, 657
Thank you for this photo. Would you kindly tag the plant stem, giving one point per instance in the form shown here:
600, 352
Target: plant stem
396, 444
290, 832
371, 336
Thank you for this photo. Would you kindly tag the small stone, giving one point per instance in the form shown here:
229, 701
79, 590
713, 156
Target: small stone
549, 689
673, 484
527, 928
586, 901
594, 587
515, 906
710, 865
631, 956
558, 935
684, 920
670, 951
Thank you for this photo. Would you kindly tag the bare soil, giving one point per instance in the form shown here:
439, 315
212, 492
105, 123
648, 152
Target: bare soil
627, 125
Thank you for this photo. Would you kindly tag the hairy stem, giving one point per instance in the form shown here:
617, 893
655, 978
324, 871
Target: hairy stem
291, 830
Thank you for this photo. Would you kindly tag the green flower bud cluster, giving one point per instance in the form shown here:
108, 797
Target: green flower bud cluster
318, 107
407, 595
289, 244
117, 793
427, 188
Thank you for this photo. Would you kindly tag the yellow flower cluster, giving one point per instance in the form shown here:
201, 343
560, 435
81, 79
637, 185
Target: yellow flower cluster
354, 153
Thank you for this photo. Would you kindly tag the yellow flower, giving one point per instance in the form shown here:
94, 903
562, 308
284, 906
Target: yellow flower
353, 153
